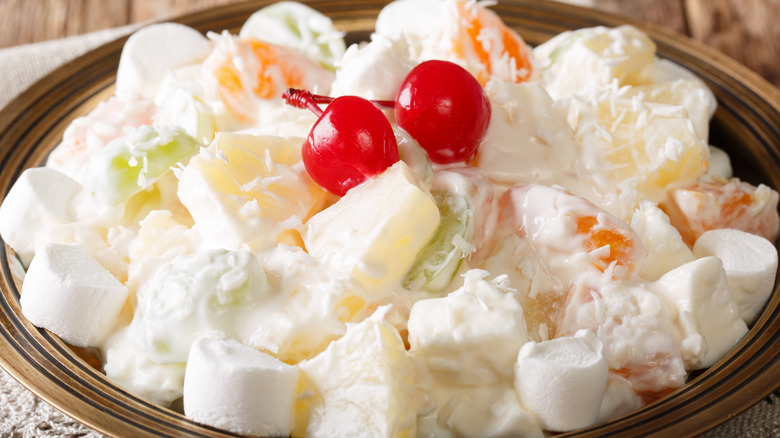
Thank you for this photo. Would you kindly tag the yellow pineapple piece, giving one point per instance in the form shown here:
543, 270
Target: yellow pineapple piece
636, 149
247, 188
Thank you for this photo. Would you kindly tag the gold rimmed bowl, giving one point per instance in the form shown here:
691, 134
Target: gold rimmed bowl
746, 125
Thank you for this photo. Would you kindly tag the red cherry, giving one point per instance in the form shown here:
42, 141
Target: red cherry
442, 106
351, 141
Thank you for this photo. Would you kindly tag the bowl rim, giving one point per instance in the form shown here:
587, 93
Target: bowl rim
23, 352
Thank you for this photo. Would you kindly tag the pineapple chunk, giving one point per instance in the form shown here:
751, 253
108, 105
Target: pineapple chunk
577, 60
248, 189
362, 384
375, 231
636, 149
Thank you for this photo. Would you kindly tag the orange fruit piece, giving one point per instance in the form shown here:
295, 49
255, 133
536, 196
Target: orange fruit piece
487, 46
720, 203
246, 70
564, 224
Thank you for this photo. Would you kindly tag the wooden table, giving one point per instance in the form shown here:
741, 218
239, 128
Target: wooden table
746, 30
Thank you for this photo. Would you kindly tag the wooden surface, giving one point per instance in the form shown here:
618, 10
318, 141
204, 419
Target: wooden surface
746, 30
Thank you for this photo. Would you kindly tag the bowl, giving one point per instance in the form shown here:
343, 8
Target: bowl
746, 125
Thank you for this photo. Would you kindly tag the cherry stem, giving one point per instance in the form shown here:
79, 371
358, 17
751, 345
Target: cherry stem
304, 99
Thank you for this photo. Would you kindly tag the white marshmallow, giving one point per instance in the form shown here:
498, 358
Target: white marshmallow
563, 380
750, 262
233, 386
67, 292
699, 293
154, 50
39, 200
472, 335
576, 60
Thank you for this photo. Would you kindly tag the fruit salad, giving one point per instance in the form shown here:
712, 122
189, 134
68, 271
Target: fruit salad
441, 231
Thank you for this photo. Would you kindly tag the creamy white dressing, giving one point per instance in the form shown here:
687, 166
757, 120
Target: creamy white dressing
565, 234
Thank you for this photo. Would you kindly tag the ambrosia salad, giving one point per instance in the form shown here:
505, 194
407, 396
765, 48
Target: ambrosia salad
438, 232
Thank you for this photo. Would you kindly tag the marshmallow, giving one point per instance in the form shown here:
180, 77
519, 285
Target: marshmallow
154, 50
562, 381
472, 335
362, 384
375, 231
39, 200
67, 292
234, 387
750, 262
699, 294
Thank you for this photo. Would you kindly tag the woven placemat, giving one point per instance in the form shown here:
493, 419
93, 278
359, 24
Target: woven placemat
22, 414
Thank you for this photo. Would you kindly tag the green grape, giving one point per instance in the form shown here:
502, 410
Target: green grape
440, 259
210, 291
135, 161
298, 26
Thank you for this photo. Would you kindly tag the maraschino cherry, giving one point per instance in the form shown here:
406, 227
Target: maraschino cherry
440, 104
351, 141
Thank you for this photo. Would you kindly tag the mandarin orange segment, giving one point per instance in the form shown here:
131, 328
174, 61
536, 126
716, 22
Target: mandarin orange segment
640, 375
621, 247
718, 204
245, 70
499, 49
562, 224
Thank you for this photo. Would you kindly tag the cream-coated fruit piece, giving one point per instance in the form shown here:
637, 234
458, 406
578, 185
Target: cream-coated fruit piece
67, 292
235, 387
638, 329
705, 310
472, 335
191, 295
574, 61
750, 263
579, 370
362, 385
248, 190
374, 232
479, 411
374, 70
528, 138
634, 149
300, 27
666, 249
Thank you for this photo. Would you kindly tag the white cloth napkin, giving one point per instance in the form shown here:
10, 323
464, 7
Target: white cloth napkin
22, 414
